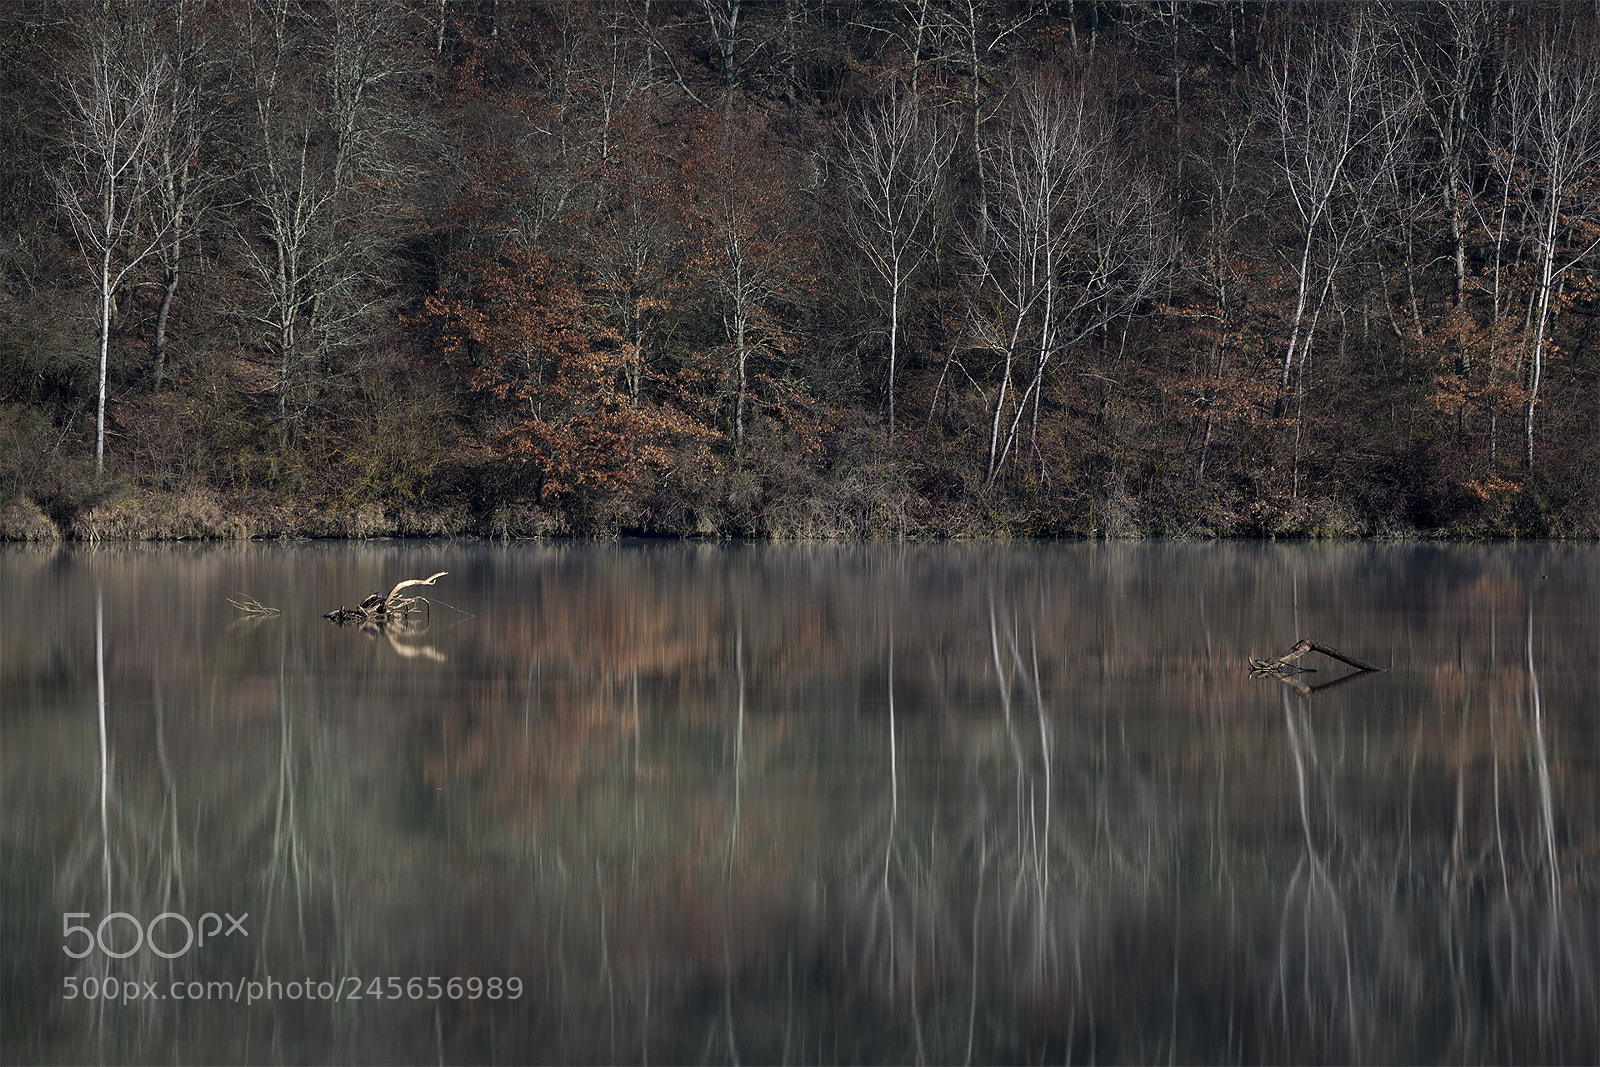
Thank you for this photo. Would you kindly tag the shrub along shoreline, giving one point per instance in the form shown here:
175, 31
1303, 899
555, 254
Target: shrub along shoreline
205, 514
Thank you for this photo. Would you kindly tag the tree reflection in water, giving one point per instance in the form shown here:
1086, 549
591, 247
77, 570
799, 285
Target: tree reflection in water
871, 804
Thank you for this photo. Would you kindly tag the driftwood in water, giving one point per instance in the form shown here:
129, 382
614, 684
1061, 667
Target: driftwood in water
1285, 663
378, 608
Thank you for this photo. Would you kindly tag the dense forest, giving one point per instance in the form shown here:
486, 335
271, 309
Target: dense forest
798, 268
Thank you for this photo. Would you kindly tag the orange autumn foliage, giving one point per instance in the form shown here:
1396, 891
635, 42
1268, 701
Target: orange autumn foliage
524, 337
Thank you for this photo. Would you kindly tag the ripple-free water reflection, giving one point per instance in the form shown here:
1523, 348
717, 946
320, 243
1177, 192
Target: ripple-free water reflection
804, 803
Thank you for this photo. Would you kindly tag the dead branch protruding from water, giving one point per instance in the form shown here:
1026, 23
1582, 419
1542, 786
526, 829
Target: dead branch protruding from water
378, 608
1285, 663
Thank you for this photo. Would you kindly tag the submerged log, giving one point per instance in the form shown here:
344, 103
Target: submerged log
1286, 663
344, 616
377, 607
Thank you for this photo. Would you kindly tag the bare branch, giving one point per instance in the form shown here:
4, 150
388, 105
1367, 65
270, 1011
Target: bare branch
413, 582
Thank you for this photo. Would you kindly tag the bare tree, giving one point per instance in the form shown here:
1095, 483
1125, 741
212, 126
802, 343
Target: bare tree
749, 44
976, 34
593, 169
1231, 203
114, 117
634, 246
320, 148
1443, 70
1500, 148
896, 161
1341, 127
186, 179
1554, 92
750, 249
1069, 238
969, 39
722, 19
592, 79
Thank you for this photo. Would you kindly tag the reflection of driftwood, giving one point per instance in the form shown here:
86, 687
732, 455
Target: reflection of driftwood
1285, 664
1294, 682
381, 609
413, 651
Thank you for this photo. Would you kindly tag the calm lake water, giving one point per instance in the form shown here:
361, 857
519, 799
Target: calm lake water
696, 803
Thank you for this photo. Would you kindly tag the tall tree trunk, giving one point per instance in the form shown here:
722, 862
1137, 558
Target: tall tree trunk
105, 347
169, 292
1541, 323
894, 338
742, 355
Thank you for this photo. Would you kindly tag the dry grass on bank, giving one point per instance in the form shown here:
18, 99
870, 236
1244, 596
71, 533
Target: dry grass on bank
23, 520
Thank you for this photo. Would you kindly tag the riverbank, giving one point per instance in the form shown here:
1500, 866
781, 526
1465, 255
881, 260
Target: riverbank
206, 514
203, 514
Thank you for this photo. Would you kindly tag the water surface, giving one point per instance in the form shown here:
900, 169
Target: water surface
699, 803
